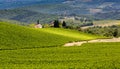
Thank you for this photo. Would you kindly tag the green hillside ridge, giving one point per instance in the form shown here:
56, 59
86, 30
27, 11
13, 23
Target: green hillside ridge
15, 37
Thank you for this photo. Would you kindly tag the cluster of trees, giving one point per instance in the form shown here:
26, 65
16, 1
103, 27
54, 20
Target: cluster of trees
110, 31
57, 24
63, 24
87, 24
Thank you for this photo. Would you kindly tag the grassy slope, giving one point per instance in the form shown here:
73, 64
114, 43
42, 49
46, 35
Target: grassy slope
15, 37
97, 55
88, 56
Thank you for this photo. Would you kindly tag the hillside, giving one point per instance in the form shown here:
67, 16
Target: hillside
16, 37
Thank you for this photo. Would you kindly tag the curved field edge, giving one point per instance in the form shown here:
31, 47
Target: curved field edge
15, 37
88, 56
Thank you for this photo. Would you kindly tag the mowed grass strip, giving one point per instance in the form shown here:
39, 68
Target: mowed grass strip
87, 56
15, 37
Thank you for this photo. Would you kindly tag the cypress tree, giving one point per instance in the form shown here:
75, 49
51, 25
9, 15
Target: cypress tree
64, 24
38, 22
56, 24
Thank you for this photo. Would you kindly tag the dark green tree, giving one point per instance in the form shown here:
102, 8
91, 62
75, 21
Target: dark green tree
56, 24
38, 22
115, 33
64, 24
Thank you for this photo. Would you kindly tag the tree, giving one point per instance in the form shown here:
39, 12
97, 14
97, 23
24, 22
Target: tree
64, 24
38, 22
115, 33
56, 24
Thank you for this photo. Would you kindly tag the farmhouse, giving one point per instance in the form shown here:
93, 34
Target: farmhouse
38, 26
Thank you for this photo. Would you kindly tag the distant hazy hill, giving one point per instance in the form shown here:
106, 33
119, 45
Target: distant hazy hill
47, 10
108, 15
88, 5
9, 4
26, 16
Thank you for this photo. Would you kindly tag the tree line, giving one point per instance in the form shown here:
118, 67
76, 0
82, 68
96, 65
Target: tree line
110, 31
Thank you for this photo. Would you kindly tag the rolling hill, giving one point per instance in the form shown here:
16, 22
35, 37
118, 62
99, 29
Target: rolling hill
32, 10
8, 4
24, 47
16, 37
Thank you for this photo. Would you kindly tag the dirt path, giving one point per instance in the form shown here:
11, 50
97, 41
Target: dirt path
92, 41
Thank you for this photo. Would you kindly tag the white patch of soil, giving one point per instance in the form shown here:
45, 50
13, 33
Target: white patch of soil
92, 41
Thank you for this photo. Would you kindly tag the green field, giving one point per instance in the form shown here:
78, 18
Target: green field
87, 56
28, 48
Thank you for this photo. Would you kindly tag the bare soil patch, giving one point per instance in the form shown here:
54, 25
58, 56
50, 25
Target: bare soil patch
92, 41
